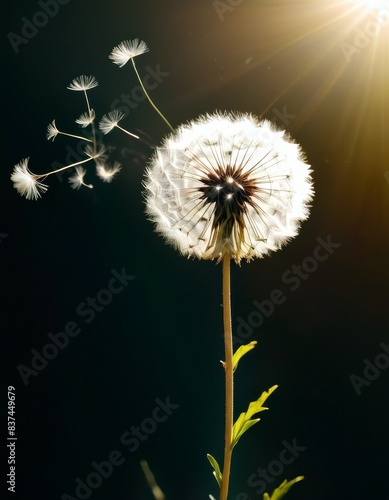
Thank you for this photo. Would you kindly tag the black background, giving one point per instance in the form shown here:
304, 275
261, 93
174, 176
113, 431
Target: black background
162, 335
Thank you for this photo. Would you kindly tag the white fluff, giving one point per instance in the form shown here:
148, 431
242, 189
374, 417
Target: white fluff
255, 163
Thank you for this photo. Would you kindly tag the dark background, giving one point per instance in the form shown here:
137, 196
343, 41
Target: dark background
162, 335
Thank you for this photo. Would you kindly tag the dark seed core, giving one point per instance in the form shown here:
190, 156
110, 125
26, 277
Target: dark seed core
230, 190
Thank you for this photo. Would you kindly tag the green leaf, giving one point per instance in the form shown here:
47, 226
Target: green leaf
282, 489
245, 421
216, 472
243, 349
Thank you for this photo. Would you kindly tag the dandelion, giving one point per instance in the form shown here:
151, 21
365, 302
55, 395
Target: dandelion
52, 132
86, 118
77, 179
95, 152
127, 50
26, 183
228, 185
111, 120
83, 83
107, 172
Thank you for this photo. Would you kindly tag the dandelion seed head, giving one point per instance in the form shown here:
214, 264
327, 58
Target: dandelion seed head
228, 184
86, 118
77, 179
82, 83
107, 172
127, 50
95, 152
110, 121
52, 131
25, 182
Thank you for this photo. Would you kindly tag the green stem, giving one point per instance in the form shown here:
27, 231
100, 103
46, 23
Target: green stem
149, 98
229, 377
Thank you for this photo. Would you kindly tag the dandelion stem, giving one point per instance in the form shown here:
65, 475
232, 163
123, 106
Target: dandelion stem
75, 136
229, 376
87, 101
155, 489
62, 168
149, 98
127, 132
93, 125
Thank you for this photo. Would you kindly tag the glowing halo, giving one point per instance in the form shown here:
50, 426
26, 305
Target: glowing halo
373, 4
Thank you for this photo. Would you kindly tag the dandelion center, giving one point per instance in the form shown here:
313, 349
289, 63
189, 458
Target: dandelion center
230, 190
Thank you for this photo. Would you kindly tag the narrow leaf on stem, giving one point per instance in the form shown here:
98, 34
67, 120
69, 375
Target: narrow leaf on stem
282, 489
245, 421
216, 473
243, 349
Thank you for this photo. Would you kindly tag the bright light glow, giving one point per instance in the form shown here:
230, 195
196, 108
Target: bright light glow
374, 4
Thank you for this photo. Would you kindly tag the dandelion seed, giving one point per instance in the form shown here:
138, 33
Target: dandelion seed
77, 179
26, 183
95, 152
228, 184
107, 172
86, 118
83, 83
109, 121
127, 50
52, 132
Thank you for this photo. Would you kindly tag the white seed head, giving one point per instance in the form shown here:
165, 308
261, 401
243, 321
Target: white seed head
228, 184
86, 118
126, 50
107, 172
77, 179
110, 121
52, 131
82, 83
95, 151
25, 182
